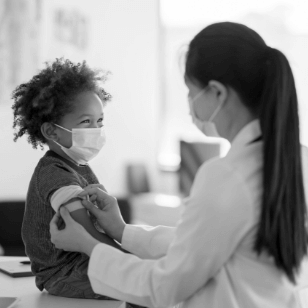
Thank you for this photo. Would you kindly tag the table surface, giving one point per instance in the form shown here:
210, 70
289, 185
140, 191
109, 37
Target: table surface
30, 297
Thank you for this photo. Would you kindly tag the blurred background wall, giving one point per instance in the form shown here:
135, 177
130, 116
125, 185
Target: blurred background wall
143, 43
120, 36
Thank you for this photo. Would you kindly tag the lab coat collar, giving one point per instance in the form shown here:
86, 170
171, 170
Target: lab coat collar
247, 134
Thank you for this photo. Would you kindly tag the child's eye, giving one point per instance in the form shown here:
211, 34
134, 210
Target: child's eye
85, 121
101, 122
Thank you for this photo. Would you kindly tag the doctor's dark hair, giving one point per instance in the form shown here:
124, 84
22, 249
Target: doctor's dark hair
237, 56
48, 96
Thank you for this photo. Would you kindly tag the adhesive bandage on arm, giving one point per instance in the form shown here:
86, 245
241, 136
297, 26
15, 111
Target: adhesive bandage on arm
67, 196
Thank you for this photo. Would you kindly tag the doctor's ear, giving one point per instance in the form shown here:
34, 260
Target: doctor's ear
219, 90
49, 131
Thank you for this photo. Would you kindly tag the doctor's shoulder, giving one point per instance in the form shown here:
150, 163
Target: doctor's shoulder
215, 174
221, 190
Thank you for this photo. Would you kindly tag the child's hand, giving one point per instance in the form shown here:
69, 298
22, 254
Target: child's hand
107, 212
73, 237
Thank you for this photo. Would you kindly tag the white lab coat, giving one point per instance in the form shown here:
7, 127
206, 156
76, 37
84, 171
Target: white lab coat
208, 259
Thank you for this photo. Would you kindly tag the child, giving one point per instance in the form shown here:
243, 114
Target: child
61, 107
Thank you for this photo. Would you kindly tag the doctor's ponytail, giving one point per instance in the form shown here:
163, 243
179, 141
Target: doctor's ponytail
281, 230
238, 57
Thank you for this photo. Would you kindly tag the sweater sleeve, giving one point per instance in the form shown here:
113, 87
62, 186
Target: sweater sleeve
53, 176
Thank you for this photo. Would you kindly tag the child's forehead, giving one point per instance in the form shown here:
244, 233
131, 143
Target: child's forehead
87, 102
84, 104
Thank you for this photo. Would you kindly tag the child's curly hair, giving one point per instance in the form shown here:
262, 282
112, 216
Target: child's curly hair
47, 96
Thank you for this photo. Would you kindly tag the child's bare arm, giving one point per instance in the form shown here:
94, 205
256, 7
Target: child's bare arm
81, 216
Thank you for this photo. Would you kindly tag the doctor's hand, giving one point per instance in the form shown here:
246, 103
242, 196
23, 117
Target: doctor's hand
73, 237
107, 212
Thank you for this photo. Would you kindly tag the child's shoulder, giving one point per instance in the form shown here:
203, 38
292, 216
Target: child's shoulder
52, 171
52, 159
51, 165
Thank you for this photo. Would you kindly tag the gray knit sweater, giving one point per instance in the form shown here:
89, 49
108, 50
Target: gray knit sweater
51, 173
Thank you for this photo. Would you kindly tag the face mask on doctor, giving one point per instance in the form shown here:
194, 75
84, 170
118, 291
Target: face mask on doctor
208, 128
86, 143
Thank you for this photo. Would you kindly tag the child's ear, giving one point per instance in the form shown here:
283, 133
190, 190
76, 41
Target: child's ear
49, 131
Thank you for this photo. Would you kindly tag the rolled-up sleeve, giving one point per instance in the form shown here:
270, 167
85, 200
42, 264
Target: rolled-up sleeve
216, 217
63, 195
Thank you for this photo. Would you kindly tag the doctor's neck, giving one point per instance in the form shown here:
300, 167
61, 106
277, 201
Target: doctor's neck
233, 117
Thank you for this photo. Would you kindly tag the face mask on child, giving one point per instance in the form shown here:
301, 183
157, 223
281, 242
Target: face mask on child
208, 128
87, 142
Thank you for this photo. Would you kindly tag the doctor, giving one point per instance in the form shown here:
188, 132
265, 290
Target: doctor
241, 240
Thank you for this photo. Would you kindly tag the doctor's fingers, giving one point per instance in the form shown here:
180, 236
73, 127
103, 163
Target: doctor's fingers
101, 186
66, 216
53, 225
102, 198
93, 191
87, 189
92, 208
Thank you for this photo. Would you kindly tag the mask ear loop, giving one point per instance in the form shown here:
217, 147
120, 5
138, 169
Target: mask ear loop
191, 101
215, 112
62, 127
201, 92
